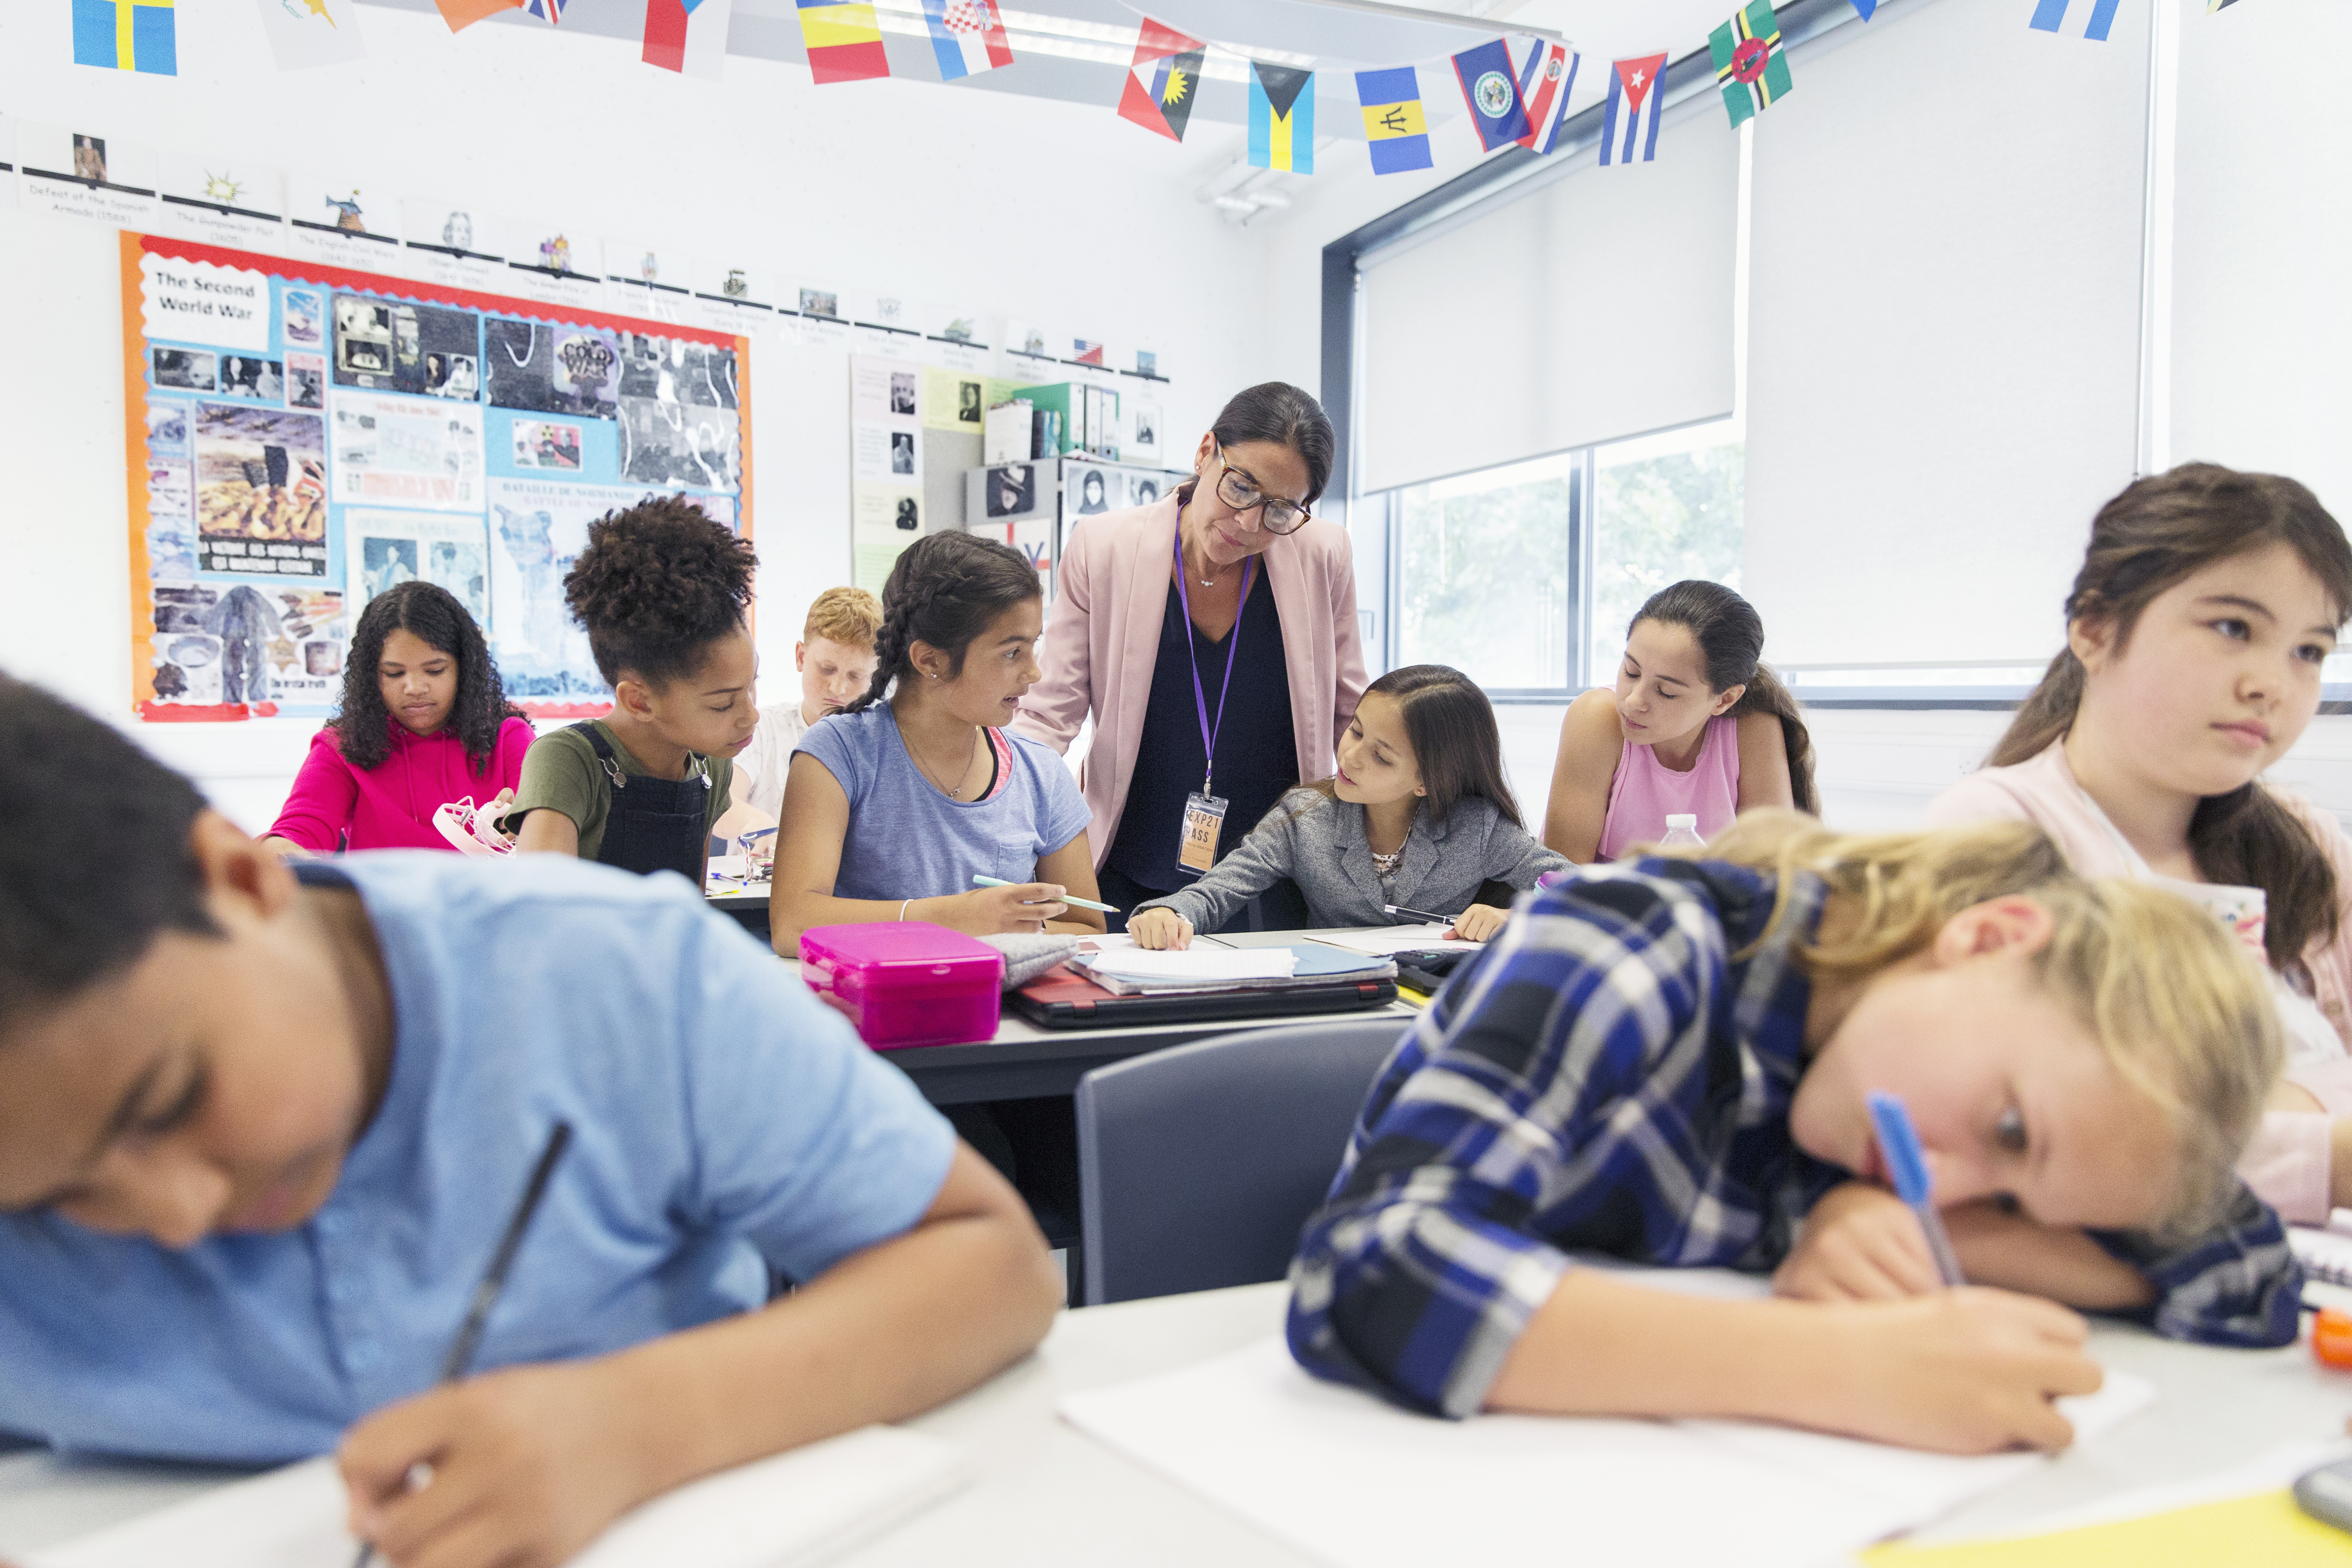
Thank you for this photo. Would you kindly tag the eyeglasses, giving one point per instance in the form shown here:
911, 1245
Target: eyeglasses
1241, 493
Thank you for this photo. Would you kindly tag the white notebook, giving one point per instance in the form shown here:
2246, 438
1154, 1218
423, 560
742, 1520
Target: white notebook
795, 1509
1359, 1483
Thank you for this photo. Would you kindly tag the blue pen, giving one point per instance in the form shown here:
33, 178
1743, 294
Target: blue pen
1898, 1145
980, 881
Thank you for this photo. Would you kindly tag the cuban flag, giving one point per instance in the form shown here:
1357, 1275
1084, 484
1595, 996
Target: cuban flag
2049, 16
1545, 82
1629, 120
968, 36
688, 36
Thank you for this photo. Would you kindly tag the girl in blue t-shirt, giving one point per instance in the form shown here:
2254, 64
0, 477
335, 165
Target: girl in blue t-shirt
892, 807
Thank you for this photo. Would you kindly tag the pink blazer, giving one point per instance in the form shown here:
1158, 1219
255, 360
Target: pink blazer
1102, 640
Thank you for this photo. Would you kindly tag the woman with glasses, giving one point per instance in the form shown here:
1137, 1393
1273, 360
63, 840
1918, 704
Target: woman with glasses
1212, 636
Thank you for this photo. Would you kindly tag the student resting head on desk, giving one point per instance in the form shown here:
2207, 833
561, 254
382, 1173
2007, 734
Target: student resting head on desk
893, 807
660, 591
262, 1127
423, 722
1696, 725
1668, 1060
2207, 603
1419, 815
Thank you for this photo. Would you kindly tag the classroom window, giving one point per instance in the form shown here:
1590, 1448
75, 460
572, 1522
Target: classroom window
1483, 580
1664, 508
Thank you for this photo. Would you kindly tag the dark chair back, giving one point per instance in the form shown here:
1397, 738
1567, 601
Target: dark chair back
1198, 1165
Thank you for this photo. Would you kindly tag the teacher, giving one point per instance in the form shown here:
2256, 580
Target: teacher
1212, 637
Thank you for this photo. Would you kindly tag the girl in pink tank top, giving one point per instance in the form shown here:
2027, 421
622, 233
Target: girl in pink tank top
1692, 699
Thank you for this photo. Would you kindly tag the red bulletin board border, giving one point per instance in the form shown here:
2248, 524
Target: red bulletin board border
134, 370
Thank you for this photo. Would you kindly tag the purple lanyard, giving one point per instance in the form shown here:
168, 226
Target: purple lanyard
1233, 649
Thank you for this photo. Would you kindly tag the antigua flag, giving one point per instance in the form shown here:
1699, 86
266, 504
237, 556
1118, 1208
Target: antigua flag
688, 36
1396, 132
968, 36
1629, 120
2049, 16
1545, 82
1163, 79
1490, 85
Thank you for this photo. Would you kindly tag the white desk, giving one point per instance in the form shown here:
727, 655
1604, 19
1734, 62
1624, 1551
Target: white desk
1046, 1496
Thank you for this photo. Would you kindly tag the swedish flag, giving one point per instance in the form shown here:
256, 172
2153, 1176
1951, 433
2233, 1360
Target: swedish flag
126, 35
1281, 118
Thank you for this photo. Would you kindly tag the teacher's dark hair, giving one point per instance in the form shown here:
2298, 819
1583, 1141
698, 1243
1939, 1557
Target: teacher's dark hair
946, 590
86, 809
1730, 637
1278, 412
430, 612
2156, 531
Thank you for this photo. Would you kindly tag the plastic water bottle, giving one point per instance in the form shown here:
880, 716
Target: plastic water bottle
1682, 832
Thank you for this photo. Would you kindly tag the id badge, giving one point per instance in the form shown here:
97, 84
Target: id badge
1204, 818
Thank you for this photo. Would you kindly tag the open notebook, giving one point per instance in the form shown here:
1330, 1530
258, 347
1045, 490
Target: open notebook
795, 1509
1361, 1484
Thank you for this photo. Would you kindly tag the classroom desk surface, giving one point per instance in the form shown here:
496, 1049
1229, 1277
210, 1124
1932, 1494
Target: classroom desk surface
1046, 1495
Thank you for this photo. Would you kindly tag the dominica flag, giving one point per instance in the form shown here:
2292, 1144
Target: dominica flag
1545, 82
968, 37
1490, 85
2049, 16
1162, 79
126, 35
1629, 120
844, 40
1281, 118
1748, 61
1395, 129
688, 36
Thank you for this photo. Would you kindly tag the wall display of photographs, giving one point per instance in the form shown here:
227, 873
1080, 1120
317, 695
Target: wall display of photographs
387, 429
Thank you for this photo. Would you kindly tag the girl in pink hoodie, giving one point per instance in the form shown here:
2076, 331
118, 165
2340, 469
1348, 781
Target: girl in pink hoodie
425, 721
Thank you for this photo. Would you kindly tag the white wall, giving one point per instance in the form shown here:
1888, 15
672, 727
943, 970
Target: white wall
1044, 211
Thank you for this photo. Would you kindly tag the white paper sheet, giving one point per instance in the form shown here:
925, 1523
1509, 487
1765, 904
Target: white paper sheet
1332, 1470
1196, 965
794, 1508
1385, 939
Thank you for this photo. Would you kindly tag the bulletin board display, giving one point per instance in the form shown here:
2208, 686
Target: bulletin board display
302, 436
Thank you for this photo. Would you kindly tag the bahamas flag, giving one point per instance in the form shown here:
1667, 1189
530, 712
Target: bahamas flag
1281, 118
126, 35
845, 42
1394, 127
2049, 16
1750, 63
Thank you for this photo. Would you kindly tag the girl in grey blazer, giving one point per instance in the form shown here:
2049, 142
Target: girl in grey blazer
1419, 815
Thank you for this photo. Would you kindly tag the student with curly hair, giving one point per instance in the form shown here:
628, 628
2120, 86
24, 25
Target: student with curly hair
660, 590
892, 806
423, 722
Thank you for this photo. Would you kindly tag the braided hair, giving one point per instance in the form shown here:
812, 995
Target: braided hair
434, 614
658, 584
946, 590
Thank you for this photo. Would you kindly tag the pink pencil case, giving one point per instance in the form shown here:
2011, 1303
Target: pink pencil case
907, 982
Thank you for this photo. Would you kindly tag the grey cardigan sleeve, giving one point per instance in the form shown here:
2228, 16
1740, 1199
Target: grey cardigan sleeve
1259, 861
1514, 857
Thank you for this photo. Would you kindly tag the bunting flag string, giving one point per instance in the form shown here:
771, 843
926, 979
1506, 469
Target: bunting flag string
1750, 63
1162, 79
688, 36
844, 40
1490, 85
462, 14
1281, 118
968, 37
2049, 16
1544, 87
1629, 118
1395, 130
548, 11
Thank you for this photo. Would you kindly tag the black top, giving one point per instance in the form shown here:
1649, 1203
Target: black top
1257, 748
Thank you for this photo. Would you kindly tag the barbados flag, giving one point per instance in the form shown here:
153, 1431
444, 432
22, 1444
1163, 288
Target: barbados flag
1281, 118
843, 41
968, 37
2049, 15
1162, 79
1749, 64
1394, 127
126, 35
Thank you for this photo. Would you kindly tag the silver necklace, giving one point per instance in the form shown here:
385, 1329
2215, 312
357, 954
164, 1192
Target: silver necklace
954, 794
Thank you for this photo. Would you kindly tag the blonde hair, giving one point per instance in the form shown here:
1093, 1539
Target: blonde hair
851, 616
2180, 1007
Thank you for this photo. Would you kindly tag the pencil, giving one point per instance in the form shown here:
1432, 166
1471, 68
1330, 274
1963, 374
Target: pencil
1418, 914
980, 881
494, 1280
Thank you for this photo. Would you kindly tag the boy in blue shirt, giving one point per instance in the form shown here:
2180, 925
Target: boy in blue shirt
258, 1138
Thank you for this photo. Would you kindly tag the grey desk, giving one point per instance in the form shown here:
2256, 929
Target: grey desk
1046, 1496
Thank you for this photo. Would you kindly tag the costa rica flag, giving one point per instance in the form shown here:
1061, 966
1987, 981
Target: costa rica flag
1545, 82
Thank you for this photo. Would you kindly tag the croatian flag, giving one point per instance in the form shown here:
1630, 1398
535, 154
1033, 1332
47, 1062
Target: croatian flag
968, 36
688, 36
1545, 82
1629, 122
